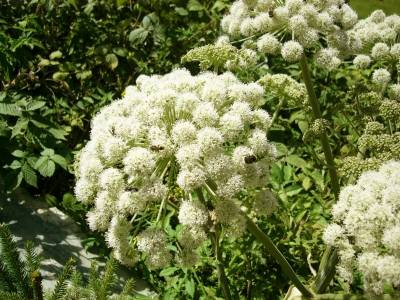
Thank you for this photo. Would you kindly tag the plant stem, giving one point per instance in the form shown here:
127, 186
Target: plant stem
220, 268
326, 271
317, 115
253, 228
277, 110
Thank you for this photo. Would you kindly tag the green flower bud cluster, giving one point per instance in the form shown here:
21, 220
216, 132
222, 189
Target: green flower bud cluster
373, 128
355, 166
389, 109
315, 130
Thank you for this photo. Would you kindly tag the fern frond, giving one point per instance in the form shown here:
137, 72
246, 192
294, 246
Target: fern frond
62, 282
13, 263
128, 287
109, 279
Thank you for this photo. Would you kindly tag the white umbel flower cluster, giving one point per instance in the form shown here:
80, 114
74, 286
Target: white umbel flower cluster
366, 228
301, 22
174, 132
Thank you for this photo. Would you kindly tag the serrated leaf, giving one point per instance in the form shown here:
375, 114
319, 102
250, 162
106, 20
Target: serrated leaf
168, 271
32, 160
59, 160
12, 180
47, 152
159, 33
150, 21
33, 105
29, 175
4, 130
194, 5
60, 75
45, 166
181, 11
14, 165
112, 61
19, 153
22, 123
55, 54
57, 133
120, 51
219, 5
296, 161
138, 36
10, 109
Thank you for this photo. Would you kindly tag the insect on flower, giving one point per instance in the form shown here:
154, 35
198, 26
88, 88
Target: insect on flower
271, 11
156, 148
249, 159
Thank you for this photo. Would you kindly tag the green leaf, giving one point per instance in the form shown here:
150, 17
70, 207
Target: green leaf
47, 152
296, 161
60, 75
4, 130
14, 165
293, 190
101, 50
120, 51
12, 180
10, 109
58, 134
45, 166
303, 125
55, 54
51, 200
306, 183
44, 62
194, 5
181, 11
72, 2
29, 175
112, 61
150, 21
83, 74
22, 123
68, 200
300, 215
219, 5
168, 271
19, 153
189, 286
138, 36
33, 105
59, 160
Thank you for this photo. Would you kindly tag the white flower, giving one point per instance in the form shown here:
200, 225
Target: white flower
152, 240
381, 77
209, 139
292, 51
395, 51
269, 44
362, 61
192, 237
380, 50
187, 258
192, 179
193, 213
183, 133
265, 203
139, 162
205, 115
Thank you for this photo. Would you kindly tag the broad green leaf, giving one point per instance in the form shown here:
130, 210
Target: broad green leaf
121, 2
4, 130
58, 133
219, 5
150, 21
51, 200
293, 190
159, 33
181, 11
300, 215
45, 166
84, 74
21, 125
138, 36
168, 271
296, 161
112, 61
10, 109
44, 62
19, 153
55, 54
29, 175
120, 51
306, 183
68, 200
33, 105
189, 286
194, 5
303, 125
59, 160
47, 152
101, 50
12, 180
72, 2
60, 75
32, 160
14, 165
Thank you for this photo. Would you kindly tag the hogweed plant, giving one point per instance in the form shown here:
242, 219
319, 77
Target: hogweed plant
194, 148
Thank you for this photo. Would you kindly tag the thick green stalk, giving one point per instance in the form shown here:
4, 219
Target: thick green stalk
253, 228
326, 271
317, 115
220, 267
